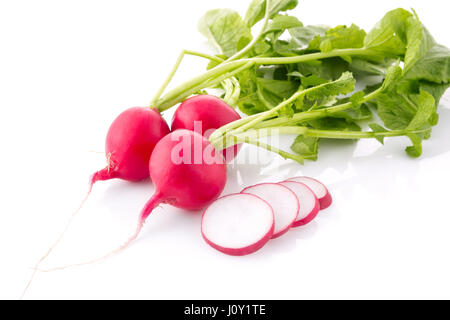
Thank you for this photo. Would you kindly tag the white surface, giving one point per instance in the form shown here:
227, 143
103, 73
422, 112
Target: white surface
237, 221
67, 68
283, 201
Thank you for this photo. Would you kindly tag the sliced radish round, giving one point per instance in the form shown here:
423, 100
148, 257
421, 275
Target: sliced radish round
238, 224
309, 204
283, 201
319, 189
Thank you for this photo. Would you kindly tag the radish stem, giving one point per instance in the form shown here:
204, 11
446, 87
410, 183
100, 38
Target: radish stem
255, 39
170, 99
214, 79
175, 68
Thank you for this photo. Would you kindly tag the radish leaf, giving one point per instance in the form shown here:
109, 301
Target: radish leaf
341, 37
279, 23
307, 147
389, 36
225, 29
257, 9
302, 36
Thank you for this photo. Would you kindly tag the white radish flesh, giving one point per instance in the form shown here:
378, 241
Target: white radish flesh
319, 189
283, 201
309, 204
238, 224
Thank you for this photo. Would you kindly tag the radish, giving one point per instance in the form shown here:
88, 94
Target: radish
130, 143
187, 172
283, 201
309, 204
319, 190
211, 113
190, 182
238, 224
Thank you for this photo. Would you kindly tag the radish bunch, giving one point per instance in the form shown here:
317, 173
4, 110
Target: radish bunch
187, 163
241, 224
187, 171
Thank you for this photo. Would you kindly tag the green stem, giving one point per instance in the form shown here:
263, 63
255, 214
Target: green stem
175, 68
273, 112
284, 154
312, 56
232, 91
248, 47
252, 137
230, 126
325, 134
199, 82
314, 114
356, 135
213, 81
223, 142
238, 125
236, 93
204, 55
281, 124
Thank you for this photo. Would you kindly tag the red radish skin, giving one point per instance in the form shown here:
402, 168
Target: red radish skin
320, 190
283, 201
309, 204
211, 112
129, 144
231, 217
185, 185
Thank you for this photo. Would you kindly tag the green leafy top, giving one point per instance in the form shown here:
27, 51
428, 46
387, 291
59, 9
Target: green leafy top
303, 82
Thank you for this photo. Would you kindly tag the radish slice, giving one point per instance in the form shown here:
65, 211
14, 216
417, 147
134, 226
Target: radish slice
283, 201
309, 204
238, 224
319, 189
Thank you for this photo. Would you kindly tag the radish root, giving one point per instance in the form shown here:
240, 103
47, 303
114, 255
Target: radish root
58, 240
153, 203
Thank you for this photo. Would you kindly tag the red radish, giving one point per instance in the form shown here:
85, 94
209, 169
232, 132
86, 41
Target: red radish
190, 182
130, 143
187, 172
238, 224
319, 190
283, 201
309, 204
211, 112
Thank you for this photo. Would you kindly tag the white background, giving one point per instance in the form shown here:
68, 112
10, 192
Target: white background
67, 68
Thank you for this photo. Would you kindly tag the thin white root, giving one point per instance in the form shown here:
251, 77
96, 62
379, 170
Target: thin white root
58, 240
116, 251
146, 211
